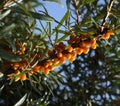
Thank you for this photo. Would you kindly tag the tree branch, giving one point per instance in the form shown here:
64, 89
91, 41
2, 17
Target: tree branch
107, 15
76, 11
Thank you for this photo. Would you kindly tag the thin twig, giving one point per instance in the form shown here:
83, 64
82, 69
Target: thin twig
107, 15
5, 5
76, 11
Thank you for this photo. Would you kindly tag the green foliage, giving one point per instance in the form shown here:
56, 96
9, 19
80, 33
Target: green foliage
25, 33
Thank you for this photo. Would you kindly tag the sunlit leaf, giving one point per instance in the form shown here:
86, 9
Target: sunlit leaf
3, 15
21, 101
65, 17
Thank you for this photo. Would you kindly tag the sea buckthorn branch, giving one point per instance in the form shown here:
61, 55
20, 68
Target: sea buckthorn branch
75, 4
76, 45
6, 2
107, 15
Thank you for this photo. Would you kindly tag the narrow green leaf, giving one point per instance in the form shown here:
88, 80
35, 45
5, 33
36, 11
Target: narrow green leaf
21, 101
95, 22
41, 16
62, 38
7, 56
3, 15
57, 1
6, 30
68, 3
34, 14
65, 17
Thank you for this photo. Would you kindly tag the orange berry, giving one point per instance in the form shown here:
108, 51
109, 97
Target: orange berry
73, 54
85, 50
31, 72
106, 36
68, 56
93, 41
59, 55
110, 32
55, 61
23, 48
94, 46
79, 51
51, 68
62, 59
87, 44
72, 58
46, 64
46, 70
23, 77
70, 49
49, 63
41, 69
16, 66
36, 68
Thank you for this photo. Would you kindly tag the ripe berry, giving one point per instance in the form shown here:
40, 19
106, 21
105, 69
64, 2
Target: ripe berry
79, 51
59, 55
23, 77
70, 49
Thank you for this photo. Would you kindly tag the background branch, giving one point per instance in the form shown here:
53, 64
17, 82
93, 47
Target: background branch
107, 15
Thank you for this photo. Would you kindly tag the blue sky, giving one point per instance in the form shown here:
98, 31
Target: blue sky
56, 10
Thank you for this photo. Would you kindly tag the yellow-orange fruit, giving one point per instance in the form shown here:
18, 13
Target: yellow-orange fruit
106, 36
79, 51
94, 46
16, 66
51, 68
68, 56
46, 64
85, 50
23, 48
62, 59
46, 70
50, 63
72, 58
55, 61
110, 32
93, 41
41, 69
74, 54
70, 49
23, 77
87, 44
31, 72
36, 68
59, 55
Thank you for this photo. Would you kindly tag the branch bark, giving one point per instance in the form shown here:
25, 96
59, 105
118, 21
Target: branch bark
107, 15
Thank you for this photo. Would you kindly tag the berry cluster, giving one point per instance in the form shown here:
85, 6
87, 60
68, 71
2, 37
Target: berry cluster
76, 45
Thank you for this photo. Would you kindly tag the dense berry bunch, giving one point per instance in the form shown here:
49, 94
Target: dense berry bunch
76, 45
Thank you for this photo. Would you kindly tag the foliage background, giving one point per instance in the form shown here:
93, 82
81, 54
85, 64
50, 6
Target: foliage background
92, 79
